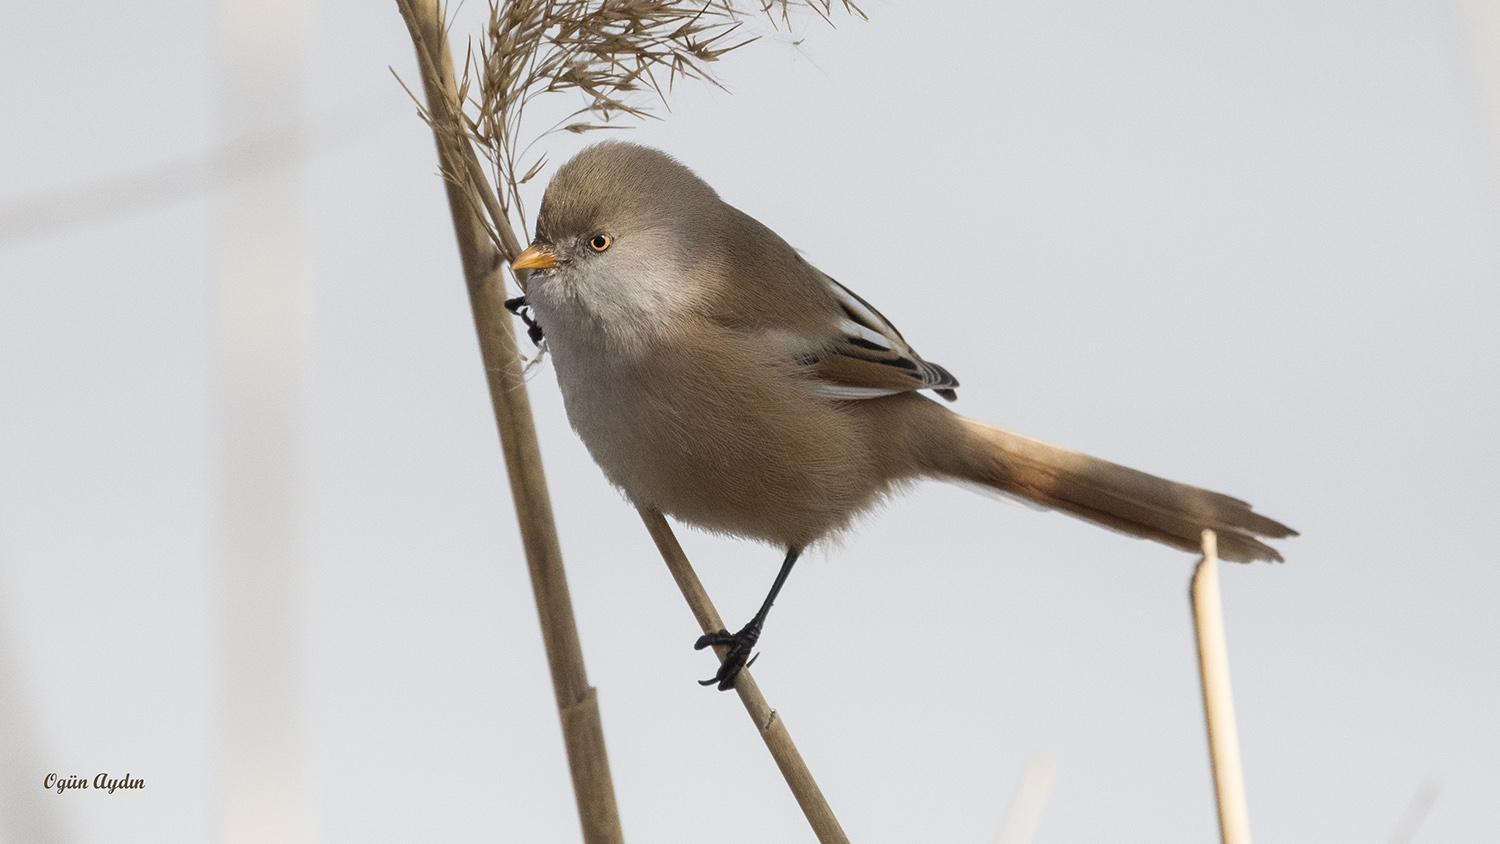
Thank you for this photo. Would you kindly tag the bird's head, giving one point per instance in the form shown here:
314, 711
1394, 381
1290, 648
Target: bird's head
619, 233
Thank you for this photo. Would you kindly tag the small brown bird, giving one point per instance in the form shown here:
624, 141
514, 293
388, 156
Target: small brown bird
718, 377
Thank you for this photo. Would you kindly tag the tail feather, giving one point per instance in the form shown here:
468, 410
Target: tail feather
1113, 496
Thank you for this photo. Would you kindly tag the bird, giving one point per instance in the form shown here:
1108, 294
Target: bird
717, 376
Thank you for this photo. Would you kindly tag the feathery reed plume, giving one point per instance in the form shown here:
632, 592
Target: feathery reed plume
609, 52
606, 51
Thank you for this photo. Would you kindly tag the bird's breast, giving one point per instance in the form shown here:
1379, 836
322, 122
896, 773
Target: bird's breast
704, 428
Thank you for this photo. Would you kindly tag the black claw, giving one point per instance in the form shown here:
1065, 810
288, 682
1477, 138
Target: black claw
741, 645
738, 658
729, 671
708, 640
521, 308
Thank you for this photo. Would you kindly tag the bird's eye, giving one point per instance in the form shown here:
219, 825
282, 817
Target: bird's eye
600, 242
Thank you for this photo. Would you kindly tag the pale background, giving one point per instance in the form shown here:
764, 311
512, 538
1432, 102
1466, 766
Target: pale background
1252, 246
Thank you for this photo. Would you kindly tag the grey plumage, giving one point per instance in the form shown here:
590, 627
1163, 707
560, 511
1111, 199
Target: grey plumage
717, 376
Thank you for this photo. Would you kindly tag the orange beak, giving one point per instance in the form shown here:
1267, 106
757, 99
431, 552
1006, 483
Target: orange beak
535, 258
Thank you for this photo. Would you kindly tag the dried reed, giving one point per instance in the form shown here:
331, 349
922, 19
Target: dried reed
772, 729
608, 51
1218, 699
577, 703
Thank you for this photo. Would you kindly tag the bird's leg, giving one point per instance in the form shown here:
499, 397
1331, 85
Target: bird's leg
521, 308
742, 643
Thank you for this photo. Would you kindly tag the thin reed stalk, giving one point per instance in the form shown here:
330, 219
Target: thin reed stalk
577, 701
1218, 699
1031, 798
772, 729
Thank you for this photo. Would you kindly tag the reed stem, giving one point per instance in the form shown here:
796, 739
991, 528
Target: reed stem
1218, 700
577, 701
772, 729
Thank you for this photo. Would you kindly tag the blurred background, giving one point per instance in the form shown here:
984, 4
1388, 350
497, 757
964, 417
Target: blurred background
256, 544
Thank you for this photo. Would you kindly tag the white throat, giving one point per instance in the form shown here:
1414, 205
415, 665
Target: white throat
613, 301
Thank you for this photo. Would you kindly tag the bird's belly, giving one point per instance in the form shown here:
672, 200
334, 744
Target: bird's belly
729, 452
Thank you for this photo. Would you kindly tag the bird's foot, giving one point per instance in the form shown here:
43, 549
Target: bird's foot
740, 645
522, 308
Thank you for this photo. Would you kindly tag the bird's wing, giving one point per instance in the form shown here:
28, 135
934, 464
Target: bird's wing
867, 357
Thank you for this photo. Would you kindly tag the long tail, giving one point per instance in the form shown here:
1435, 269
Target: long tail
1109, 494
